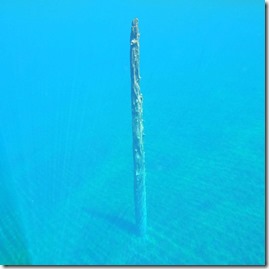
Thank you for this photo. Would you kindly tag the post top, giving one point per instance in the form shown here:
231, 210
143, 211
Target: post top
135, 32
135, 22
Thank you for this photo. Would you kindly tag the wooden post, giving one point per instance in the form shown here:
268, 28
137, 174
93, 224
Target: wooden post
138, 132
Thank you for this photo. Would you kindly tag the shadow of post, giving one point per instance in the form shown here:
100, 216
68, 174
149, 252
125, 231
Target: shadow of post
114, 220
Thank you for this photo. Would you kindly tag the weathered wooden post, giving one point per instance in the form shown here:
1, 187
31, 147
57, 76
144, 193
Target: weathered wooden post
138, 132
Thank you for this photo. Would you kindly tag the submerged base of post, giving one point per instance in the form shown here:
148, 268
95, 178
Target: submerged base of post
138, 133
140, 208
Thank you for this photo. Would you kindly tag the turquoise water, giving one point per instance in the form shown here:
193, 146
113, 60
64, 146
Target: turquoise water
66, 195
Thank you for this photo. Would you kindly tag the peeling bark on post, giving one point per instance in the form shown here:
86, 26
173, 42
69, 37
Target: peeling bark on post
138, 132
